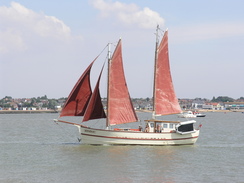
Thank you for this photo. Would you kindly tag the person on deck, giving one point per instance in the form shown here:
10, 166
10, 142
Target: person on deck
158, 129
140, 128
147, 128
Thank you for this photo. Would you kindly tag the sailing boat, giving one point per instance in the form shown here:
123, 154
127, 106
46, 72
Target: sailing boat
83, 102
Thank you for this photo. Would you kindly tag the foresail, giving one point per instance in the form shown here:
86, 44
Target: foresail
79, 96
95, 107
120, 108
165, 101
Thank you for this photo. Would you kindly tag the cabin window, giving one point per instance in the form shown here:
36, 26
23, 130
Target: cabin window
152, 125
165, 126
171, 125
186, 128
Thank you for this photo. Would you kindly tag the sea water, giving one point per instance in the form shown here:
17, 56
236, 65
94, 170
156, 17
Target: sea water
34, 149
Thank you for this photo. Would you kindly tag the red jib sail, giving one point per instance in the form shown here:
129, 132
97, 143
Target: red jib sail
79, 96
120, 108
95, 107
165, 100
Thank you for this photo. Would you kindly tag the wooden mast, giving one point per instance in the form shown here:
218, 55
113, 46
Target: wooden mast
155, 62
109, 59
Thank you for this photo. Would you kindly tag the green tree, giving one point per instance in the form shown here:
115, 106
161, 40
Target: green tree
222, 99
214, 99
44, 97
52, 103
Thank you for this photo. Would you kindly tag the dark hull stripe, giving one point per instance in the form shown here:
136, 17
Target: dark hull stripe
122, 138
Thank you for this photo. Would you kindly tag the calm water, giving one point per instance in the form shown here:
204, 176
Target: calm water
34, 149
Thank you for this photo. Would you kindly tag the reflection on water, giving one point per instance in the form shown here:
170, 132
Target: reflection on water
34, 149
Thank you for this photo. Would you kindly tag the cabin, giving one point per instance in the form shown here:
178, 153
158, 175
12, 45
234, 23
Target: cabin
158, 126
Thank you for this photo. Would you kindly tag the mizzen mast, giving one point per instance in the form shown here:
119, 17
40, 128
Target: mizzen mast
155, 63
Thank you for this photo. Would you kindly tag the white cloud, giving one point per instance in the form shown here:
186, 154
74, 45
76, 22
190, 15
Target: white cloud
11, 39
129, 14
53, 27
20, 25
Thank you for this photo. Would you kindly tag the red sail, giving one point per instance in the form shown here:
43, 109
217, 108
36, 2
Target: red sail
79, 97
165, 101
120, 108
95, 107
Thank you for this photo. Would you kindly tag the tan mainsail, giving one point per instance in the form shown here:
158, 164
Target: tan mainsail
120, 108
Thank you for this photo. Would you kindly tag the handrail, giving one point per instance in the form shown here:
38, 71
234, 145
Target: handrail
161, 121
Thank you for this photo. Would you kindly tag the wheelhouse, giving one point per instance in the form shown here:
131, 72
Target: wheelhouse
158, 126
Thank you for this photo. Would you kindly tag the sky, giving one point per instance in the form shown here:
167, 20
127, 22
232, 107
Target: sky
46, 45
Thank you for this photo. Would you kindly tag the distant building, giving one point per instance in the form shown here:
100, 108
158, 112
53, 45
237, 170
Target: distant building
213, 106
234, 105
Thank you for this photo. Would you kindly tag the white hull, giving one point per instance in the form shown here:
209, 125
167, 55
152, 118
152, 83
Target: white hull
188, 114
99, 136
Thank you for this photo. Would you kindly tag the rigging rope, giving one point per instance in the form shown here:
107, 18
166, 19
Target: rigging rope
71, 135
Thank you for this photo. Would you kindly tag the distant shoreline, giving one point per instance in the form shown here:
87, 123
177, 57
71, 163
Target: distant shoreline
200, 110
54, 111
26, 111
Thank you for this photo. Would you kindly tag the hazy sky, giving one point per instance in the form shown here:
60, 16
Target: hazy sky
46, 45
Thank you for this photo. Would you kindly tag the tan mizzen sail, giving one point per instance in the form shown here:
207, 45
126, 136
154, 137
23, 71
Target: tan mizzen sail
165, 100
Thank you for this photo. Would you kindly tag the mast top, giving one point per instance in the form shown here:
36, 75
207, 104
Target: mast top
157, 36
109, 51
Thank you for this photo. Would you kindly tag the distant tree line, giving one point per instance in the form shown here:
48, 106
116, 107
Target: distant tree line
224, 99
43, 102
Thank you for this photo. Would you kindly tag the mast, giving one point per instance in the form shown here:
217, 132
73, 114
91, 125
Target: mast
155, 61
109, 59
